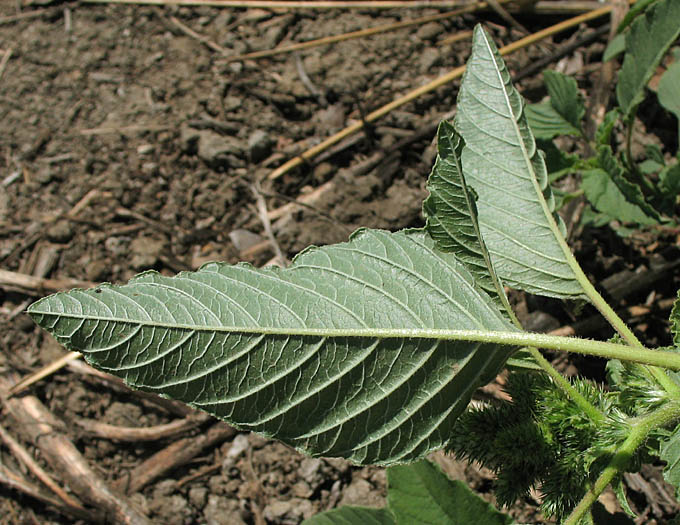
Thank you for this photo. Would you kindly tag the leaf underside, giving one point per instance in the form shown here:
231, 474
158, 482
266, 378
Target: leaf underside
235, 341
649, 38
502, 164
452, 214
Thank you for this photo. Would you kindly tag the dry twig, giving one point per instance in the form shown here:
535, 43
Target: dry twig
39, 285
43, 429
22, 455
23, 16
203, 39
4, 61
137, 434
177, 454
357, 34
45, 371
299, 4
15, 481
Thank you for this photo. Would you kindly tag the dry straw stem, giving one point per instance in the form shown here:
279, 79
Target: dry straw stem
357, 34
308, 4
445, 79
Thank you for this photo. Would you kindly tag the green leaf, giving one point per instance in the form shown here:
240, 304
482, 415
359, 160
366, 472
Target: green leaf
352, 516
638, 7
611, 193
565, 97
604, 130
649, 38
668, 91
557, 162
670, 453
675, 321
338, 355
546, 123
421, 493
507, 172
669, 187
452, 214
616, 46
562, 114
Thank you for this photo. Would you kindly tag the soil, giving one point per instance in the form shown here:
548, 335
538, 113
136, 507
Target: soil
129, 144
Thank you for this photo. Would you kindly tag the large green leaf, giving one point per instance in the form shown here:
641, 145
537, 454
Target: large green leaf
421, 493
649, 38
502, 164
562, 114
336, 355
452, 214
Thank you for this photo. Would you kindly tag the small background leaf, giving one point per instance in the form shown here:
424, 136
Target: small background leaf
649, 38
562, 114
668, 91
616, 46
352, 516
611, 193
421, 493
502, 164
670, 453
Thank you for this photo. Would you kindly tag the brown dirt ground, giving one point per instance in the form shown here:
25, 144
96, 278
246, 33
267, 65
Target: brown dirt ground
171, 137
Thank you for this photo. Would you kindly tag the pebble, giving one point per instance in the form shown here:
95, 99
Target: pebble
216, 150
430, 31
145, 252
60, 232
259, 145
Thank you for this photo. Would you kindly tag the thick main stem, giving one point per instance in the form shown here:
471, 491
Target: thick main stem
640, 429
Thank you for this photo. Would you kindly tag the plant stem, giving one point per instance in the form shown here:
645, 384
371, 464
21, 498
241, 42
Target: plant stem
640, 429
590, 410
617, 323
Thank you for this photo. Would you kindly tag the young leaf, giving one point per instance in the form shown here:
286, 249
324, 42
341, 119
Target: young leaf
649, 38
562, 114
615, 47
638, 7
611, 193
452, 214
314, 355
507, 172
604, 130
349, 515
669, 91
670, 453
422, 493
675, 321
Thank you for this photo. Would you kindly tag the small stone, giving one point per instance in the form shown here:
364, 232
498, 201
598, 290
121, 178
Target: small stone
216, 150
244, 239
43, 175
430, 31
97, 270
145, 252
222, 511
198, 496
259, 145
150, 168
428, 59
145, 149
60, 232
361, 492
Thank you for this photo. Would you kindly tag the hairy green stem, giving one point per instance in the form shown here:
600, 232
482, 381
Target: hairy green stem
617, 323
640, 429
